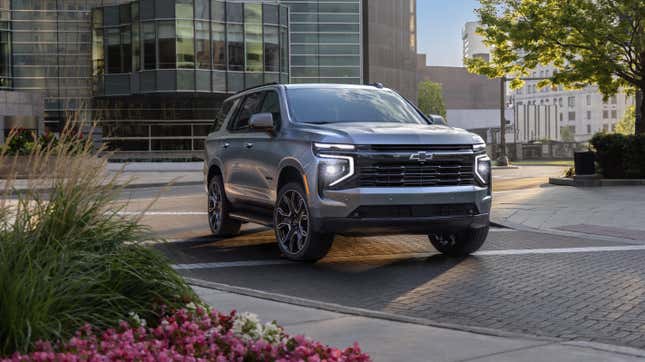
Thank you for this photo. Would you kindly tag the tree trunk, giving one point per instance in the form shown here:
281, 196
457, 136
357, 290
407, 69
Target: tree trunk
640, 111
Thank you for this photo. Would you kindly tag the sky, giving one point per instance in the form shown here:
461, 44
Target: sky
439, 24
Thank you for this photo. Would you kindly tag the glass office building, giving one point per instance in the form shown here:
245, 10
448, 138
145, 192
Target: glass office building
326, 41
154, 72
162, 68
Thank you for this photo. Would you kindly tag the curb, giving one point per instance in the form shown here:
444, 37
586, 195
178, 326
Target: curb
361, 312
126, 187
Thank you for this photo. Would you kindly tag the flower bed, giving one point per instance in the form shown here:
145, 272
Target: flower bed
193, 334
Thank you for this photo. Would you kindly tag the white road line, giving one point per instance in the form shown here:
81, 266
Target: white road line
252, 263
161, 213
230, 264
591, 249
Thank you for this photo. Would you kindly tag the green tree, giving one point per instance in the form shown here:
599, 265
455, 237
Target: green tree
431, 98
598, 42
566, 134
627, 124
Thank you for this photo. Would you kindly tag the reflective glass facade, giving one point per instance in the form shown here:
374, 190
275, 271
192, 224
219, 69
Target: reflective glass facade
188, 46
163, 67
326, 38
5, 45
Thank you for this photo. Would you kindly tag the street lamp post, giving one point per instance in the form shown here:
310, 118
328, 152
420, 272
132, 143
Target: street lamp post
503, 157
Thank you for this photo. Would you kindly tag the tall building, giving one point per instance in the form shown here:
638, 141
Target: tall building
581, 112
154, 72
473, 43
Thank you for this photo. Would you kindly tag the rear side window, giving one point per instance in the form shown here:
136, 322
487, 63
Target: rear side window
249, 107
223, 114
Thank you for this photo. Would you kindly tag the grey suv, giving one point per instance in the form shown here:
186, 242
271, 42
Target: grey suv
314, 160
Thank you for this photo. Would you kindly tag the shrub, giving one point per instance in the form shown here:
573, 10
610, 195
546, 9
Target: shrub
66, 255
192, 335
620, 156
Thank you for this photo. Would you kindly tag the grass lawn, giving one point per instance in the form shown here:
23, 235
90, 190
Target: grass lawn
564, 163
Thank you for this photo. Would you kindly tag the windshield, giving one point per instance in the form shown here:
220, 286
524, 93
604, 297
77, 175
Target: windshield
338, 105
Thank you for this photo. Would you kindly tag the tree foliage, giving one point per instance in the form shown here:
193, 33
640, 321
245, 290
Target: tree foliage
431, 98
627, 124
589, 42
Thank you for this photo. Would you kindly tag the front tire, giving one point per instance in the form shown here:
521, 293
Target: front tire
292, 225
218, 208
459, 244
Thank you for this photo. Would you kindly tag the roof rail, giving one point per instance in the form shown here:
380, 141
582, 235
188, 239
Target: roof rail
258, 86
378, 85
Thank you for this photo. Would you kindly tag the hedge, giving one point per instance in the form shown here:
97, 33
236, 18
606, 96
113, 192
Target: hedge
620, 156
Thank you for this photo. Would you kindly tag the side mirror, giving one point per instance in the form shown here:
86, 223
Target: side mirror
262, 122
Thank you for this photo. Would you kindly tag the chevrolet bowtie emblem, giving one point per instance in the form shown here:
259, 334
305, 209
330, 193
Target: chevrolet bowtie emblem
421, 156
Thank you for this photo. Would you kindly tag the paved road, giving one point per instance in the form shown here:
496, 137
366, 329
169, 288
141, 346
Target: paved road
557, 286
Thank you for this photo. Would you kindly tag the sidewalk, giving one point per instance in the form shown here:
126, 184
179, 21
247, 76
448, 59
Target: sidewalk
387, 340
146, 174
614, 212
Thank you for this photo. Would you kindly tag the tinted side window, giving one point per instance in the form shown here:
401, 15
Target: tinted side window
249, 107
222, 114
271, 105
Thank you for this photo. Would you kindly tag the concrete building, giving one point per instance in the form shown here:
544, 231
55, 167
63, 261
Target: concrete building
154, 72
472, 101
473, 43
582, 112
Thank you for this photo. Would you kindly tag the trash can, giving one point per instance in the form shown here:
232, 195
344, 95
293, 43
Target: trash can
585, 163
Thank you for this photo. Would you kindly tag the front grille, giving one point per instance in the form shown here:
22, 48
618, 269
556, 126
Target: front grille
417, 147
414, 211
440, 172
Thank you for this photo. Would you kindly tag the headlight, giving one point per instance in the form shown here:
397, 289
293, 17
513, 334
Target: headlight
334, 169
479, 147
482, 169
333, 147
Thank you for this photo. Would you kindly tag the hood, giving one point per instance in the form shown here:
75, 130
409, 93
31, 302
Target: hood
388, 133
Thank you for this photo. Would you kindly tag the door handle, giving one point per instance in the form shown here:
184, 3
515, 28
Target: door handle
249, 145
226, 145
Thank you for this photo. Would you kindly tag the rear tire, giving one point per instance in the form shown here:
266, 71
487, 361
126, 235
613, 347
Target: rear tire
460, 243
218, 210
292, 226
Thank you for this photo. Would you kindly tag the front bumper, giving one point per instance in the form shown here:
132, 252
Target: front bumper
396, 210
399, 225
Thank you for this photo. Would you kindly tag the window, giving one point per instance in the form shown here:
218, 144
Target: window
588, 129
572, 116
202, 45
185, 44
184, 9
271, 49
560, 102
614, 114
250, 106
218, 11
136, 48
605, 114
235, 47
338, 105
167, 54
271, 105
561, 119
126, 49
588, 99
253, 37
234, 12
613, 100
149, 48
201, 9
588, 115
223, 113
605, 127
113, 50
571, 101
219, 46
